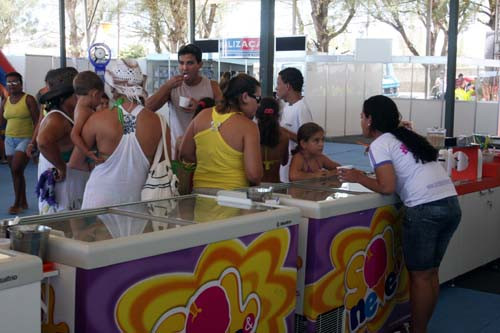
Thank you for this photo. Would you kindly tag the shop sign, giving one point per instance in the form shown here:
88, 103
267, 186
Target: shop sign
240, 47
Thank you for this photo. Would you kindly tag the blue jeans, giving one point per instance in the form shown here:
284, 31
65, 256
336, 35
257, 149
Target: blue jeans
427, 230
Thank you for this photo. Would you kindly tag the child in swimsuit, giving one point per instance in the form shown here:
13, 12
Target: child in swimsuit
89, 89
273, 139
308, 160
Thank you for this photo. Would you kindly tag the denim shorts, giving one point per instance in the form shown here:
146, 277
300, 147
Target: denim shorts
427, 230
15, 144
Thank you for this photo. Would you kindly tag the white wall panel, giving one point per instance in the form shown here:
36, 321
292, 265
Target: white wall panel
355, 92
373, 80
19, 63
336, 99
487, 118
315, 91
403, 105
464, 118
425, 114
37, 67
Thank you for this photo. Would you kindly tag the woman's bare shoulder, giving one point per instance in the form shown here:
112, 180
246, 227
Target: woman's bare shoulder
249, 124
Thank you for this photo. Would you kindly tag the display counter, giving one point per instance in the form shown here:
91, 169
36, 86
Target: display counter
189, 264
475, 242
20, 276
351, 275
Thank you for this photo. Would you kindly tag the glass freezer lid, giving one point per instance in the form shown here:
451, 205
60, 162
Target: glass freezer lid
193, 208
98, 227
301, 192
331, 182
334, 184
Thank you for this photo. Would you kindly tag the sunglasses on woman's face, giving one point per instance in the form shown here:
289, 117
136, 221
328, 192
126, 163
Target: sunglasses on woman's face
13, 83
257, 98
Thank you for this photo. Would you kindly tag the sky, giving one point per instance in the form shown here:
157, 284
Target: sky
242, 19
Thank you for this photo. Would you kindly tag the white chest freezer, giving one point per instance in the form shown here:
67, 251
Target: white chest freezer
186, 264
20, 304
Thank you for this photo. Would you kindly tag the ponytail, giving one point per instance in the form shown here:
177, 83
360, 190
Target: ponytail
421, 149
385, 118
268, 121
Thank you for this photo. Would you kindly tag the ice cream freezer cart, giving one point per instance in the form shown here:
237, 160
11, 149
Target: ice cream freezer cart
20, 276
352, 276
189, 264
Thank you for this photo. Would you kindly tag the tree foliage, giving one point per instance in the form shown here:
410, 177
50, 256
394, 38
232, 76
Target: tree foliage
298, 16
164, 22
488, 8
98, 11
207, 18
14, 16
397, 14
76, 34
133, 52
330, 19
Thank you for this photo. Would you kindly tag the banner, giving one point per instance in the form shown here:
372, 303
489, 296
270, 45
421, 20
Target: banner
240, 47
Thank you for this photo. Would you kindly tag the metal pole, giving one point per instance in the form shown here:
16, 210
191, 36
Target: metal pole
192, 21
428, 45
294, 15
62, 35
266, 46
449, 115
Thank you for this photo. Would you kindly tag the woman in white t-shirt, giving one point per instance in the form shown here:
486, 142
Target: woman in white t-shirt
405, 163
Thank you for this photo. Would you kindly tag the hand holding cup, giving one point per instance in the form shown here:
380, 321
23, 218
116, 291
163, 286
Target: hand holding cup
344, 172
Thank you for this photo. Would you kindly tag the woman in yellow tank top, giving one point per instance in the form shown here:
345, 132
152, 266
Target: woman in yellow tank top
224, 142
20, 112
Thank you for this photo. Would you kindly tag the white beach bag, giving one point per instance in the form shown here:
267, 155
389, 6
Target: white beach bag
161, 183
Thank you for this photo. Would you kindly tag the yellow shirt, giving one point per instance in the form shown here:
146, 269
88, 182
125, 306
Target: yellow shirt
19, 121
218, 164
461, 95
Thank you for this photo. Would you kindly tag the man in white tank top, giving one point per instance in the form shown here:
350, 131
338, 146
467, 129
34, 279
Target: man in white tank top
183, 91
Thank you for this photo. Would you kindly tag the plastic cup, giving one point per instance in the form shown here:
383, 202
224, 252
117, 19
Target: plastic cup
184, 102
436, 136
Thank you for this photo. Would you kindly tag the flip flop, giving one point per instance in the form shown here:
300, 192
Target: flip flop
13, 210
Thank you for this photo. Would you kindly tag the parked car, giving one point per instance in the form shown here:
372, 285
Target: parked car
390, 84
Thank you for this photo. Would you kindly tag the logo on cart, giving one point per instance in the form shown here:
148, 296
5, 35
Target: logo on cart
215, 306
379, 281
230, 285
8, 278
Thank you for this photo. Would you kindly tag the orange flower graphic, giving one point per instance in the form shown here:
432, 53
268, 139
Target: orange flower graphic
357, 255
234, 288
